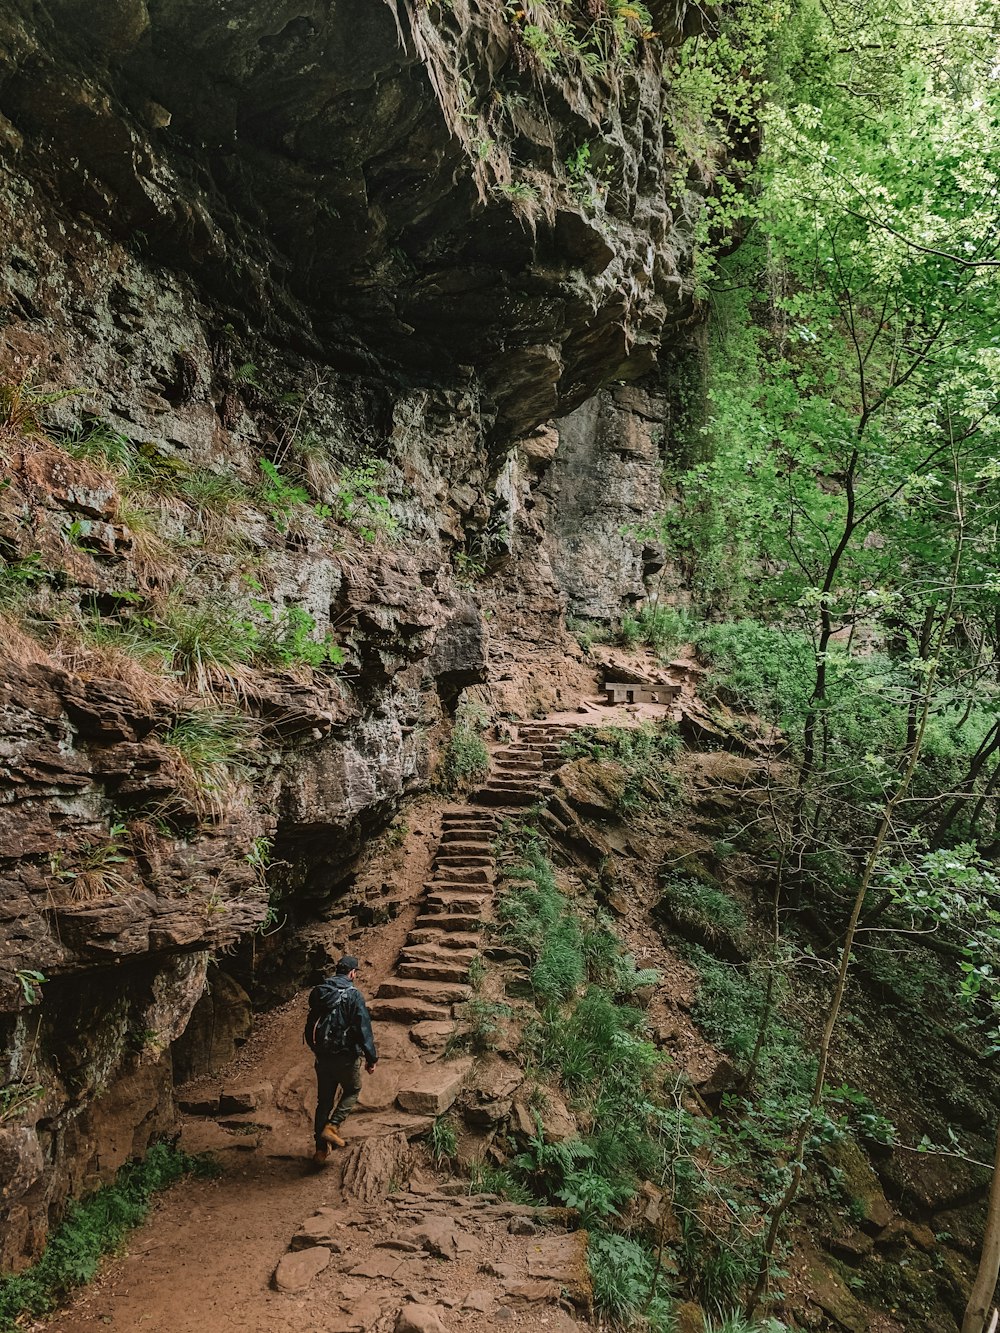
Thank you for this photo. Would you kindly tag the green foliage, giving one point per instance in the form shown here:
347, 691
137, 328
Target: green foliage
587, 632
18, 580
280, 496
15, 1098
729, 1009
98, 443
482, 1023
737, 1323
288, 639
700, 911
91, 872
644, 752
90, 1230
211, 745
629, 1288
360, 501
212, 644
719, 1171
662, 628
442, 1140
561, 40
760, 668
467, 758
31, 982
486, 1178
22, 408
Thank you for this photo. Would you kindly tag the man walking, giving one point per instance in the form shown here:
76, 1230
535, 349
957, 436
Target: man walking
339, 1033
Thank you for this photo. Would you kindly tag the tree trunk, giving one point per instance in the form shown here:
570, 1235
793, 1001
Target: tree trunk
989, 1259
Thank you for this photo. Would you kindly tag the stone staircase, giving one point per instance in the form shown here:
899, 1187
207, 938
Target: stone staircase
519, 774
431, 974
432, 970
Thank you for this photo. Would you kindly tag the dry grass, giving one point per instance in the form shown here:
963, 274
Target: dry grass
19, 647
93, 874
141, 674
154, 561
20, 411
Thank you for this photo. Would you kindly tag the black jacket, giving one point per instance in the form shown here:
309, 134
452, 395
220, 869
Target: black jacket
356, 1014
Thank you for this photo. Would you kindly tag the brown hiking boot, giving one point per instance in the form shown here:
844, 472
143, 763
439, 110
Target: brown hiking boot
320, 1156
332, 1135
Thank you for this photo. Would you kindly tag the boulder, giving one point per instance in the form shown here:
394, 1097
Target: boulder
238, 1100
297, 1269
420, 1319
325, 1227
563, 1260
443, 1237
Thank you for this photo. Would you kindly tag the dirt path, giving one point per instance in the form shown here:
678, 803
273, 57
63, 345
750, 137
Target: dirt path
275, 1244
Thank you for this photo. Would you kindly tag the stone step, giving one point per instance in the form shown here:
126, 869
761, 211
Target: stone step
432, 992
434, 953
433, 1090
427, 971
462, 840
464, 874
462, 813
464, 921
501, 797
463, 860
408, 1011
434, 933
435, 904
451, 888
517, 770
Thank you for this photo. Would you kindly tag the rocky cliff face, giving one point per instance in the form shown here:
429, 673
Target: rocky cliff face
378, 246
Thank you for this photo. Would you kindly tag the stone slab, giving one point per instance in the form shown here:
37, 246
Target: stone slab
297, 1269
433, 1091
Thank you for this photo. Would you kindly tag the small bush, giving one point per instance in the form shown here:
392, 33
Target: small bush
442, 1140
736, 1323
210, 746
662, 628
629, 1288
484, 1019
486, 1178
703, 914
467, 758
360, 501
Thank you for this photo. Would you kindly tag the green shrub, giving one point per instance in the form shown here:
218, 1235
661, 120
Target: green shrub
90, 1230
210, 745
736, 1323
442, 1140
662, 628
644, 752
467, 759
360, 501
484, 1019
486, 1178
18, 580
629, 1287
702, 913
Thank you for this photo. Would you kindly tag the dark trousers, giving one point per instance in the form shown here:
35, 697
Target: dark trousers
333, 1072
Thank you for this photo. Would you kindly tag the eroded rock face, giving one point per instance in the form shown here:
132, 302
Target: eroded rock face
347, 168
318, 234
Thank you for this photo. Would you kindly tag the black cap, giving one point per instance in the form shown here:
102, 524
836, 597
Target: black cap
346, 964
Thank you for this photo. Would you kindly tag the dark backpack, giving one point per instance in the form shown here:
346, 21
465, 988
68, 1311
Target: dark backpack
330, 1029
